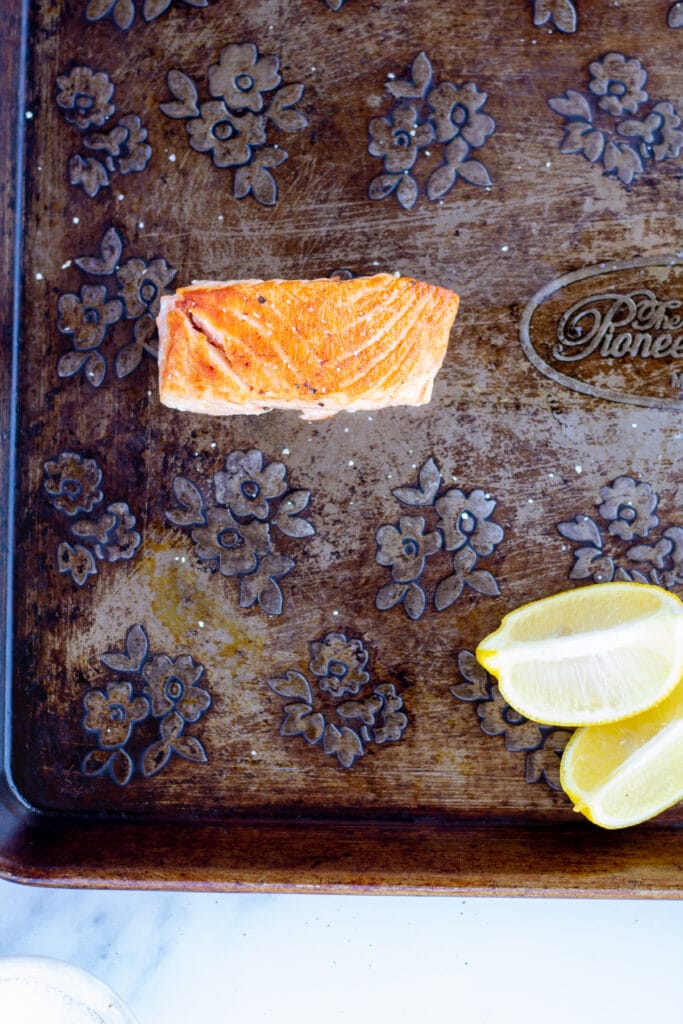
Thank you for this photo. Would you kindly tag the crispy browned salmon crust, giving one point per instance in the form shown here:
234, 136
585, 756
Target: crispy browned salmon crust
317, 346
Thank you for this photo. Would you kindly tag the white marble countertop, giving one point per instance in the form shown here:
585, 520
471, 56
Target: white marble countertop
242, 958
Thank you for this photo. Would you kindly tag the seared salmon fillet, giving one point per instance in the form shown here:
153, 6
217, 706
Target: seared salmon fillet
317, 346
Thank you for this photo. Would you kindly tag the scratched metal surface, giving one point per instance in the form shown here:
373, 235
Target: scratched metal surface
263, 617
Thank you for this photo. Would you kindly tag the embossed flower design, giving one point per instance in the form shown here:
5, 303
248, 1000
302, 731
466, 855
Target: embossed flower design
405, 549
84, 95
237, 546
659, 133
628, 508
247, 98
398, 137
171, 685
141, 285
229, 137
461, 524
448, 115
87, 316
242, 76
112, 535
246, 486
560, 13
124, 145
122, 12
150, 688
72, 483
600, 132
543, 745
465, 519
457, 112
618, 82
113, 712
233, 529
339, 664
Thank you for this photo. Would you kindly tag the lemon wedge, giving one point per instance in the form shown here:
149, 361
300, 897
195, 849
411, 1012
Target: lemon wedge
624, 773
588, 656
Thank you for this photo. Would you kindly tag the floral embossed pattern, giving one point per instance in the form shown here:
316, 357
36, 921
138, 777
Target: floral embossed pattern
366, 712
145, 686
132, 297
447, 118
85, 98
542, 744
611, 545
122, 12
232, 530
460, 526
247, 98
72, 485
615, 124
561, 14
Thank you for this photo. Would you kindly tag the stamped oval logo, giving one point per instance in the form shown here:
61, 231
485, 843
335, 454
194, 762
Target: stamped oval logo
613, 331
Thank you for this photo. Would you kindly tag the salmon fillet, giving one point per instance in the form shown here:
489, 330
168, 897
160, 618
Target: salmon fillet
318, 346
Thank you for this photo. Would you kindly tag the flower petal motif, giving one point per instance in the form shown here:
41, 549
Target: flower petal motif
133, 152
171, 687
87, 316
71, 482
592, 563
582, 137
339, 664
405, 548
618, 81
629, 508
112, 713
228, 136
464, 519
398, 137
141, 285
84, 95
246, 486
497, 718
456, 113
238, 547
241, 76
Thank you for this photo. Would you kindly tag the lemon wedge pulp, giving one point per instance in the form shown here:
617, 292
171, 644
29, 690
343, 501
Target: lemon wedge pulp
588, 656
626, 772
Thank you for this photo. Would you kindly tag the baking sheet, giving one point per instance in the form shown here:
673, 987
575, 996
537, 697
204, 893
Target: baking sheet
258, 621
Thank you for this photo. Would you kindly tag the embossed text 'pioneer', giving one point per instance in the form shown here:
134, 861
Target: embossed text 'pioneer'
621, 340
637, 324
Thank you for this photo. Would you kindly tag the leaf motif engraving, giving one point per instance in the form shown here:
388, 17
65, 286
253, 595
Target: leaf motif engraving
192, 511
429, 480
417, 85
281, 112
345, 744
287, 518
474, 172
292, 684
111, 249
572, 104
135, 652
186, 96
561, 13
582, 529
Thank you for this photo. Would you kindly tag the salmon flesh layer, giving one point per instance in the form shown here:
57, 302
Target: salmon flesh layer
316, 346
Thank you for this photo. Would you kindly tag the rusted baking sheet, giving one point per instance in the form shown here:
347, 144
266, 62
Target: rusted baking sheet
239, 651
